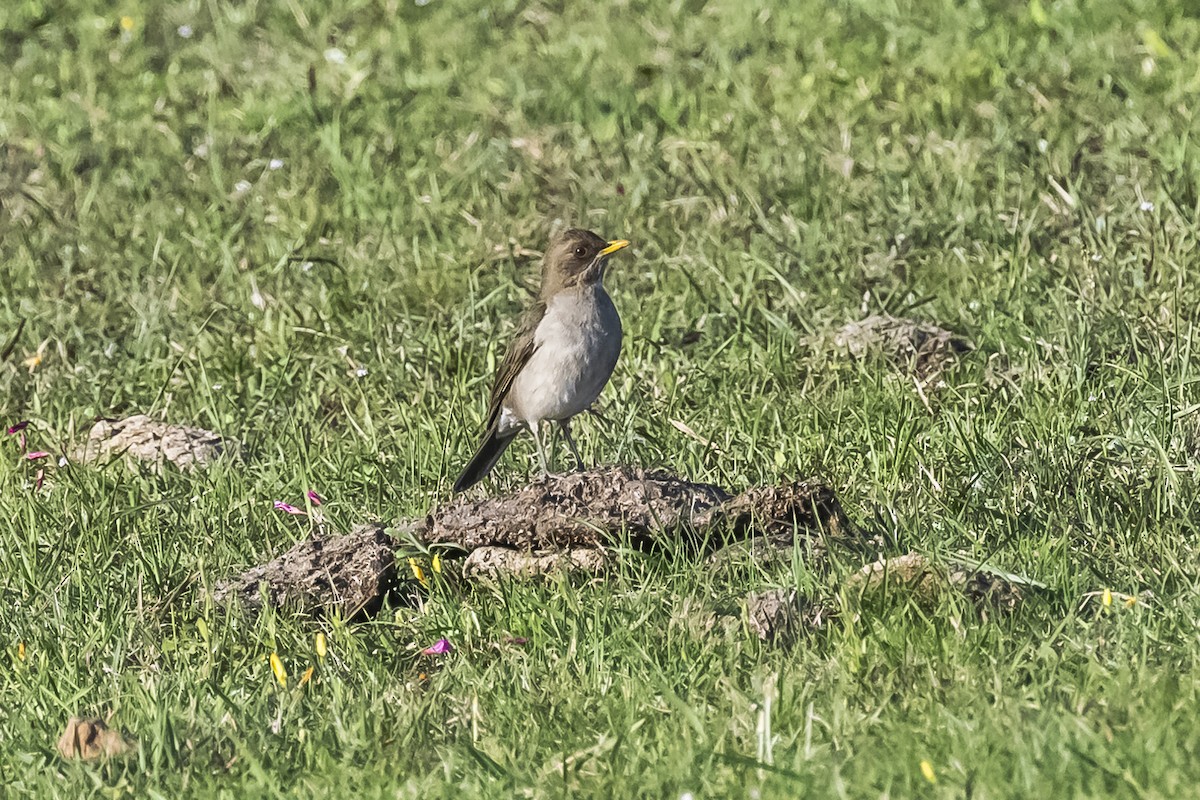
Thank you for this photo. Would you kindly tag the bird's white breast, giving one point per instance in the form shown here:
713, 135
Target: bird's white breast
578, 342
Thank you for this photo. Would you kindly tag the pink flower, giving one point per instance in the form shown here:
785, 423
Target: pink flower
38, 479
288, 509
36, 454
315, 498
438, 648
20, 426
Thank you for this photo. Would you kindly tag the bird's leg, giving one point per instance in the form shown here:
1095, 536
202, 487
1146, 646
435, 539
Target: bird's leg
551, 449
537, 440
565, 424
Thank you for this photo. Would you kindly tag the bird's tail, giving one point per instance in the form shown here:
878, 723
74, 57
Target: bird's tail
494, 444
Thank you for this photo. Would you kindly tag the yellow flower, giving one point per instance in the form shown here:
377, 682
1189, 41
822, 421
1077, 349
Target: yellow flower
21, 651
279, 670
306, 677
321, 645
437, 563
927, 771
1106, 598
127, 23
1131, 601
417, 571
1037, 12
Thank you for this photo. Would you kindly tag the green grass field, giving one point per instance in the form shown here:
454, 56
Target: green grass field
309, 228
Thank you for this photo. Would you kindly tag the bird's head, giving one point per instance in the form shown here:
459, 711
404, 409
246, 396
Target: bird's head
576, 257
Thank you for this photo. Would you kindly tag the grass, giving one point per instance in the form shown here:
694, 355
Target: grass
1024, 173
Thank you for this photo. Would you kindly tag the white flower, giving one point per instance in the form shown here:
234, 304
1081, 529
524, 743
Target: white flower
361, 372
1043, 145
335, 55
1146, 206
241, 187
184, 31
216, 387
275, 163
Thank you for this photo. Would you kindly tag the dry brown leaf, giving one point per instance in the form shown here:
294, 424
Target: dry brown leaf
90, 739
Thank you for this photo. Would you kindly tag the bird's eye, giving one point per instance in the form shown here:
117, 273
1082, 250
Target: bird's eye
580, 251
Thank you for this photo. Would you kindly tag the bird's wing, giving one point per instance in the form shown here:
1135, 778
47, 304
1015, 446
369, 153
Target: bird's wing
519, 351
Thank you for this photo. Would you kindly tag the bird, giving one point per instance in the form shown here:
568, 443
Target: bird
562, 355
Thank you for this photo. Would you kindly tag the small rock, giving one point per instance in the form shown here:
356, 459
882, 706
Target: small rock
90, 739
143, 439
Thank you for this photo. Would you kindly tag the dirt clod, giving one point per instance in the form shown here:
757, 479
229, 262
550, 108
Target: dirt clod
493, 563
766, 553
580, 509
142, 439
780, 511
90, 739
918, 347
558, 523
777, 616
350, 573
773, 615
927, 582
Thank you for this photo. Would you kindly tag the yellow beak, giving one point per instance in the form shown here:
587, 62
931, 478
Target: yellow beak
614, 246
